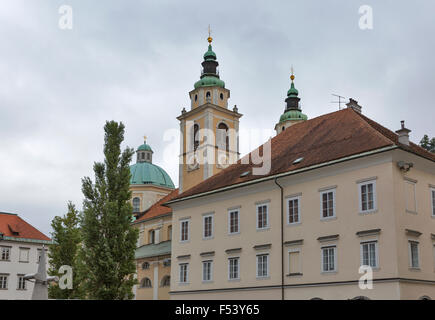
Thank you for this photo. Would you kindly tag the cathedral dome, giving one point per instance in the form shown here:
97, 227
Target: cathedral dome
148, 173
144, 147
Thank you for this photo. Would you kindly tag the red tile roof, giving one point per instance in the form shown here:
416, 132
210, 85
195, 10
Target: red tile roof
329, 137
11, 225
158, 209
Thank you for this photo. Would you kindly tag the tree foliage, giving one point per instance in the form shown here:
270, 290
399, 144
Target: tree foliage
109, 240
64, 251
428, 144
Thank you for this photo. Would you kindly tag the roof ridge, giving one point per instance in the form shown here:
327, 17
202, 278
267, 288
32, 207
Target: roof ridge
9, 213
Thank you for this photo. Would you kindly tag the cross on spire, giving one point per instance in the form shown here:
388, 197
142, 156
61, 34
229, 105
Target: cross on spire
209, 39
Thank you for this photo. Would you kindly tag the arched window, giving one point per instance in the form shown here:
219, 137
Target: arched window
222, 96
208, 94
195, 136
223, 139
146, 283
145, 265
283, 128
170, 233
152, 236
166, 281
136, 204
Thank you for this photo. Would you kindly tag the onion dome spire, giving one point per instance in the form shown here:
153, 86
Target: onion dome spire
209, 73
293, 111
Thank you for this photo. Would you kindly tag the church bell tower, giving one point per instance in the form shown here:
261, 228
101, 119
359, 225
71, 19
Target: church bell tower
209, 130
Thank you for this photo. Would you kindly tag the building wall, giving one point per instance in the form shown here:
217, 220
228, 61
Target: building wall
148, 194
344, 178
14, 267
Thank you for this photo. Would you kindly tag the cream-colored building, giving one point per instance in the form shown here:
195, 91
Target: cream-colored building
342, 192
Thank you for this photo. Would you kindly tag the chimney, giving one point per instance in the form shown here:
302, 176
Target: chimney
354, 105
403, 134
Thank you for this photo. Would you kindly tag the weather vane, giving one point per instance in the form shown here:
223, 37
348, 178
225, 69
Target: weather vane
209, 39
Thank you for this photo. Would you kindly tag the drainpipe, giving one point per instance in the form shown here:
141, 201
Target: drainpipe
282, 238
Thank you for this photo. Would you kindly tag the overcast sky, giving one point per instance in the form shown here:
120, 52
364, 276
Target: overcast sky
136, 61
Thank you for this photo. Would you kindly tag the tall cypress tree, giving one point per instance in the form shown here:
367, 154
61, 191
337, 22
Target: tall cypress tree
64, 251
109, 240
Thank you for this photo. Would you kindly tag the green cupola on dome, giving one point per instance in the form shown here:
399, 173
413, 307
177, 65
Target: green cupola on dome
293, 110
145, 172
210, 73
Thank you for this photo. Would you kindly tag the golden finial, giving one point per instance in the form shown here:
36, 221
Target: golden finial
209, 39
292, 77
145, 139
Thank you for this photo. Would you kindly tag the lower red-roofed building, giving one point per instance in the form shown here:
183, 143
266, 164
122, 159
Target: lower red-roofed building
20, 248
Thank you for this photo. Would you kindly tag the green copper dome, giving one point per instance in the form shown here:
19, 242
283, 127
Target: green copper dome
148, 173
292, 115
292, 92
210, 55
208, 81
144, 147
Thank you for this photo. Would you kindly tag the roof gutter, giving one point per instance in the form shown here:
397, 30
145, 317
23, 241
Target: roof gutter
284, 174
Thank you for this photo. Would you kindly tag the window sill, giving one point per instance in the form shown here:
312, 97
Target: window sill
183, 283
23, 261
263, 229
293, 224
234, 280
328, 218
207, 281
414, 269
208, 238
263, 278
185, 241
411, 212
329, 272
363, 213
233, 233
5, 260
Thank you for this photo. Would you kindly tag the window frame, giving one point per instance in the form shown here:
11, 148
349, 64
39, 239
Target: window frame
334, 211
375, 199
432, 192
204, 217
414, 187
210, 262
298, 198
8, 249
187, 220
229, 221
367, 242
21, 280
411, 266
180, 265
299, 251
238, 268
27, 250
6, 281
132, 202
267, 255
334, 247
264, 204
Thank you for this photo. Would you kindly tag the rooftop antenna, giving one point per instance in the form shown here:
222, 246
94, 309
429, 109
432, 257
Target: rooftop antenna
340, 101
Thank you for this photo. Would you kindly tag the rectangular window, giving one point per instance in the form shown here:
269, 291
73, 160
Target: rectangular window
4, 281
328, 204
184, 230
208, 226
293, 207
24, 254
329, 259
262, 265
433, 201
233, 268
184, 272
369, 254
207, 270
367, 196
294, 262
233, 219
414, 260
262, 216
21, 282
411, 205
5, 253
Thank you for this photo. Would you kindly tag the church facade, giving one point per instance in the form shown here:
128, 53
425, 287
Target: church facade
345, 199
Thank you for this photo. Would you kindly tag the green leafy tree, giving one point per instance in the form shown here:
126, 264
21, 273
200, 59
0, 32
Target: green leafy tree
428, 144
64, 251
109, 240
